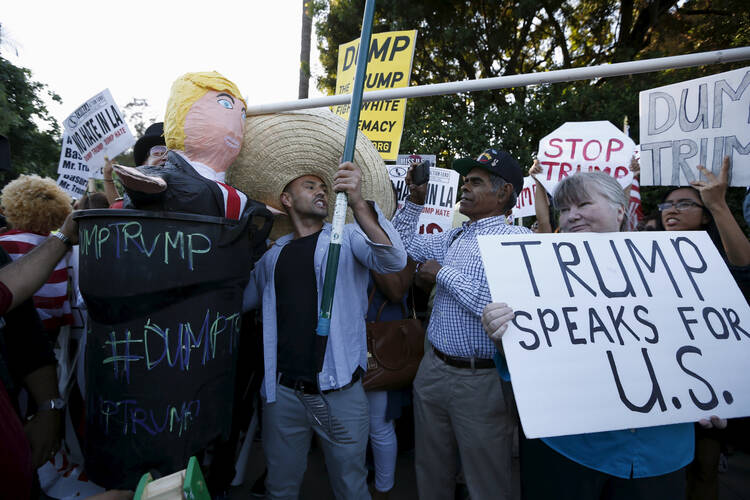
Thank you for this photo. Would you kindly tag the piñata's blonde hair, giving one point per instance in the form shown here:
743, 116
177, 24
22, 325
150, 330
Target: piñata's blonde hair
35, 204
185, 91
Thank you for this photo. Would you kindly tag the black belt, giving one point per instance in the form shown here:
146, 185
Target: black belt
307, 387
478, 363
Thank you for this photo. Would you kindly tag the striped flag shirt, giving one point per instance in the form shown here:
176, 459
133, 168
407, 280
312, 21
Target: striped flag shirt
51, 300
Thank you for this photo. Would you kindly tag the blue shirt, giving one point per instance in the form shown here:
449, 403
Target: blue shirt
631, 453
462, 291
346, 348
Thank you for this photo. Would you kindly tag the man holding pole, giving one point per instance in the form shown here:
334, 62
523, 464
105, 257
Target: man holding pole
288, 281
460, 403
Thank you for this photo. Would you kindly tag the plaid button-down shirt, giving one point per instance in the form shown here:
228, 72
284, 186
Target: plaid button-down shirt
462, 292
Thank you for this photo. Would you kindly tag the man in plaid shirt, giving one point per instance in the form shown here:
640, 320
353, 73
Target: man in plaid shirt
459, 401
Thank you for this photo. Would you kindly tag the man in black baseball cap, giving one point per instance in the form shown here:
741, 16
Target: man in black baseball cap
476, 418
151, 148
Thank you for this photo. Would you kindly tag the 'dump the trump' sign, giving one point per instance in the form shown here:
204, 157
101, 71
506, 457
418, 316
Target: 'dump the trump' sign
620, 330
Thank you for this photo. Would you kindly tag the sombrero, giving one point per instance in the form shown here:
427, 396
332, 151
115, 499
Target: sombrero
279, 148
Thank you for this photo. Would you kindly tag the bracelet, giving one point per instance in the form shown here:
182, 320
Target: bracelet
60, 236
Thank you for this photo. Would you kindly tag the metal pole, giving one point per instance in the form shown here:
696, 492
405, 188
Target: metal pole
500, 82
339, 214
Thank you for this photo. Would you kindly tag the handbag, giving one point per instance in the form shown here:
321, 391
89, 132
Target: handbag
394, 350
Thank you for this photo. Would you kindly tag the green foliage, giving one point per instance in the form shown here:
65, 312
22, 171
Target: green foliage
33, 133
459, 40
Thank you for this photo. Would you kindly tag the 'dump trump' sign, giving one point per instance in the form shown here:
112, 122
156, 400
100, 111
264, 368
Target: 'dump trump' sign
620, 330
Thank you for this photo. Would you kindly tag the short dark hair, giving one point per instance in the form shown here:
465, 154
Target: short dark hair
497, 183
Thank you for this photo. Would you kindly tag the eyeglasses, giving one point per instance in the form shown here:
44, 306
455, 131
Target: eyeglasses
679, 205
158, 150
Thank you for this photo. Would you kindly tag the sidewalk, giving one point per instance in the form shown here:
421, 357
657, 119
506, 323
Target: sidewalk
733, 484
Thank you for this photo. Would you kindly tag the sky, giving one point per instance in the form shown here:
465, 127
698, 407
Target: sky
138, 48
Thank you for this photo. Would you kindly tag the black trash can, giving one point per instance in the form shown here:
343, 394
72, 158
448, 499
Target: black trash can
164, 297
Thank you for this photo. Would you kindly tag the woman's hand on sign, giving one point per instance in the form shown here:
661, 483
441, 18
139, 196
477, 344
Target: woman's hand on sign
495, 319
713, 190
635, 166
417, 194
535, 169
713, 423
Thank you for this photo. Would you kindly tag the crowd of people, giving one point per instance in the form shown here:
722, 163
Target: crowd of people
465, 421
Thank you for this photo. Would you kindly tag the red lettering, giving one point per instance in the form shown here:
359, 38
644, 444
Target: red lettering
555, 144
434, 228
549, 165
564, 169
586, 149
621, 171
573, 142
610, 147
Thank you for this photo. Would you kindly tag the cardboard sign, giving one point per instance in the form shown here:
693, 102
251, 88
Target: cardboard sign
71, 161
73, 184
98, 129
437, 214
525, 202
696, 122
585, 146
388, 67
620, 330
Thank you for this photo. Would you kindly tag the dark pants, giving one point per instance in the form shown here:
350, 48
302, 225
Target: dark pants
546, 474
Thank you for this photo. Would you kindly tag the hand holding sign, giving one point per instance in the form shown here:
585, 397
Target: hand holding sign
495, 319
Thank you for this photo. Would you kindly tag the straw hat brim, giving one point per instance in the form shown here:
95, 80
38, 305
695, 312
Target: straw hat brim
281, 147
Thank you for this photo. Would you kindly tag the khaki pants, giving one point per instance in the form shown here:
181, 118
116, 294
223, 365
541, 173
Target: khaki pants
464, 411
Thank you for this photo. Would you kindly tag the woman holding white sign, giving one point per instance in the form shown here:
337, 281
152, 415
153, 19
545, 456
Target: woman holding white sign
643, 464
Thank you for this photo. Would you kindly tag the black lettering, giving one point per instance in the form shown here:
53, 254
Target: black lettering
571, 325
676, 242
687, 322
724, 329
734, 322
566, 265
651, 266
656, 395
526, 260
546, 329
401, 43
628, 291
646, 322
533, 345
349, 57
617, 321
596, 325
714, 401
379, 52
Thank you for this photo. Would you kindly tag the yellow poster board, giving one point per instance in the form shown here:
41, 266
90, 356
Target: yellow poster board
388, 66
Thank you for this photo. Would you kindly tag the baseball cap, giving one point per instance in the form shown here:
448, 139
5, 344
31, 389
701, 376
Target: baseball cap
494, 161
154, 135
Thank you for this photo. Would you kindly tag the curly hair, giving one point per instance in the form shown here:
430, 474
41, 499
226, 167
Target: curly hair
35, 204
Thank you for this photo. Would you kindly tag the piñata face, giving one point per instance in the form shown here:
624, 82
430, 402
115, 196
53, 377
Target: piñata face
213, 130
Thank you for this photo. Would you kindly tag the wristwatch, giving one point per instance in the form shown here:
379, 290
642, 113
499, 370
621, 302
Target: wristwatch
52, 404
60, 236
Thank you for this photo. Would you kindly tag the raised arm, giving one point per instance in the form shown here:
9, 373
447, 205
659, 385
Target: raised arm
713, 193
541, 202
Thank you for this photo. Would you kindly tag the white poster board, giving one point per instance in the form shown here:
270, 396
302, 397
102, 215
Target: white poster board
73, 184
71, 161
98, 129
585, 146
696, 122
619, 330
437, 214
525, 201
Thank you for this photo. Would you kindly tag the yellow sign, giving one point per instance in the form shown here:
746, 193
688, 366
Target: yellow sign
388, 67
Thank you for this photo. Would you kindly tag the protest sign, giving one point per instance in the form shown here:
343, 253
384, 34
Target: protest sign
437, 214
696, 122
525, 202
409, 160
585, 146
73, 184
71, 161
619, 330
388, 66
98, 129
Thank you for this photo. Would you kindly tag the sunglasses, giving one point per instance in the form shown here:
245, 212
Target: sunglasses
158, 150
679, 205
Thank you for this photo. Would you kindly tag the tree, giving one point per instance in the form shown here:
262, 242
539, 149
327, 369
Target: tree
304, 55
460, 40
33, 150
